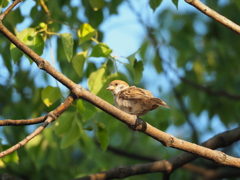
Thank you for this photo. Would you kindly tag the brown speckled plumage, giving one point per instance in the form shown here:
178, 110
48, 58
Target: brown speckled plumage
133, 100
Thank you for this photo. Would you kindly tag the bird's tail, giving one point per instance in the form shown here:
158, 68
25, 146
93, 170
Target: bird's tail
160, 102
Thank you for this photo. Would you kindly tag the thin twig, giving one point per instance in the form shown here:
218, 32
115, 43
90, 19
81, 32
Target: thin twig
52, 116
22, 122
28, 138
131, 120
221, 140
5, 13
214, 15
45, 8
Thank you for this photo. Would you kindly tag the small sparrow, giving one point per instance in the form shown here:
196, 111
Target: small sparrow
133, 100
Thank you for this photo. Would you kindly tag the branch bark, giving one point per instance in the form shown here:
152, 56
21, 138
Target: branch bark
50, 117
22, 122
5, 13
214, 15
168, 166
136, 124
131, 120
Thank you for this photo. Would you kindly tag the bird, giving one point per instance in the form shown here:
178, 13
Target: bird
134, 100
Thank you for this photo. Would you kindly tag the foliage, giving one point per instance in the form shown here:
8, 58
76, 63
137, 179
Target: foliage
189, 46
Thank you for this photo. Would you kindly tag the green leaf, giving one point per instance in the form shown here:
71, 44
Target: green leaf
6, 55
86, 109
50, 95
64, 122
138, 69
88, 145
96, 79
105, 94
16, 54
73, 134
132, 58
101, 50
30, 38
4, 3
157, 63
143, 50
78, 62
102, 134
97, 4
86, 32
67, 41
154, 4
175, 2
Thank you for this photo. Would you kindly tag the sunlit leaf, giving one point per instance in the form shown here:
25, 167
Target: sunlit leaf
50, 95
78, 62
86, 32
67, 41
96, 4
32, 39
96, 80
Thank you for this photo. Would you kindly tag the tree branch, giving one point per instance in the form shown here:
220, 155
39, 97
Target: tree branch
131, 120
165, 138
214, 15
22, 122
5, 13
136, 124
199, 5
50, 117
221, 140
41, 63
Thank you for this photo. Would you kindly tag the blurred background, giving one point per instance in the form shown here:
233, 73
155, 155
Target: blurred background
181, 55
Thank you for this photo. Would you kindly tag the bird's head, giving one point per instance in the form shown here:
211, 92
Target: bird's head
116, 86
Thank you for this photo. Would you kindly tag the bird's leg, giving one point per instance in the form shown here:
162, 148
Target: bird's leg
140, 125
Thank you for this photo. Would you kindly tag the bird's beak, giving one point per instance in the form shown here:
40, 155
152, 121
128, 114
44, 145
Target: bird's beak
110, 88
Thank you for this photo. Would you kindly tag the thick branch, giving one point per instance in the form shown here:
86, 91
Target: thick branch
136, 124
165, 138
214, 15
50, 118
41, 63
221, 140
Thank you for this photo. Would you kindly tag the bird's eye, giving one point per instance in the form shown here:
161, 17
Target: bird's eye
116, 84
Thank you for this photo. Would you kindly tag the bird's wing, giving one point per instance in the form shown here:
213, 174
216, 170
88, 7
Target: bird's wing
135, 93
